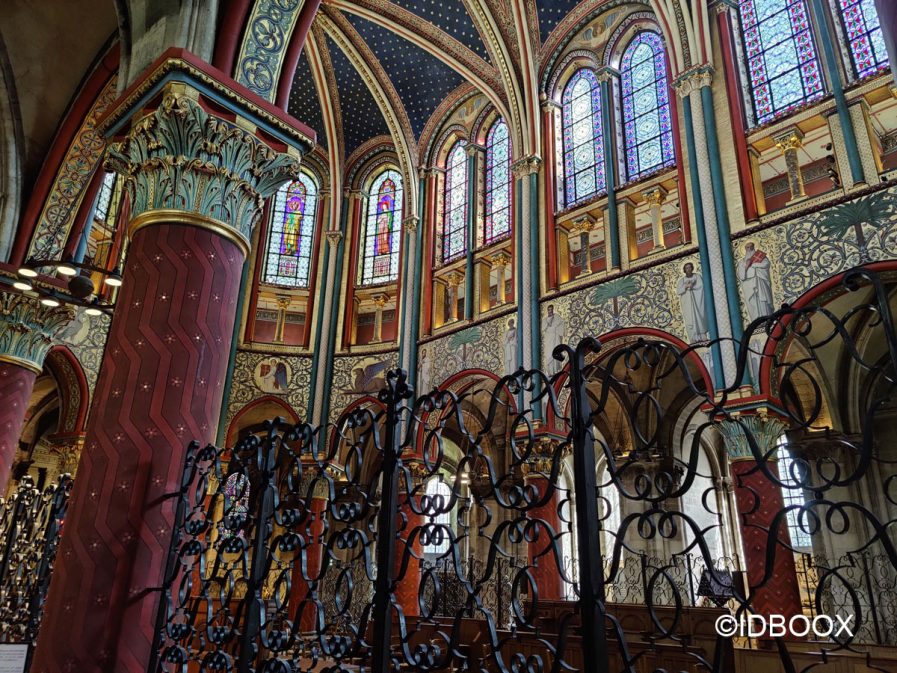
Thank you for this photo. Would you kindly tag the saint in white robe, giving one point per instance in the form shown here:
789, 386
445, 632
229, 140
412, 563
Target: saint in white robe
756, 282
691, 299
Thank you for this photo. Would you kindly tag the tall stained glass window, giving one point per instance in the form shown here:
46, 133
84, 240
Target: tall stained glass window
454, 209
497, 223
104, 198
647, 126
864, 36
383, 230
292, 233
584, 175
236, 505
789, 474
440, 495
783, 63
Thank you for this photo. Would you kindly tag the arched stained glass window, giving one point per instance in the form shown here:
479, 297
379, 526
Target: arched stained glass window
647, 126
236, 505
292, 233
440, 495
584, 174
864, 36
454, 209
783, 63
791, 477
497, 223
104, 198
383, 230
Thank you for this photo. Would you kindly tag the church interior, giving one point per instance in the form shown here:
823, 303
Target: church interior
506, 336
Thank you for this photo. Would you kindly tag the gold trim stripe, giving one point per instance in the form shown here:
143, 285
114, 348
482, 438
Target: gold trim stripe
171, 216
21, 362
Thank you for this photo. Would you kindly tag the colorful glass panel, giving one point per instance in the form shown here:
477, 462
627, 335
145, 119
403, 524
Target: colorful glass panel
583, 138
497, 223
383, 230
791, 477
783, 63
236, 504
292, 233
864, 36
454, 207
104, 198
647, 122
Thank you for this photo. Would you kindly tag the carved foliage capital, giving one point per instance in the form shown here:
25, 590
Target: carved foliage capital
766, 432
28, 329
183, 158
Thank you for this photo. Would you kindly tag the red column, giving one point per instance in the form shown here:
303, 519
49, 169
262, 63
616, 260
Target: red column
408, 583
548, 152
16, 384
759, 500
543, 562
159, 387
314, 556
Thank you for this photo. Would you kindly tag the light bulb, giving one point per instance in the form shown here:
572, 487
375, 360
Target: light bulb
22, 285
93, 311
49, 301
27, 272
113, 281
67, 270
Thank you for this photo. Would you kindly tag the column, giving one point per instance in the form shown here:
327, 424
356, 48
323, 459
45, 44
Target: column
197, 184
789, 143
27, 331
550, 111
408, 531
525, 172
283, 303
379, 303
543, 564
454, 283
473, 154
313, 553
500, 261
655, 198
582, 229
612, 243
758, 500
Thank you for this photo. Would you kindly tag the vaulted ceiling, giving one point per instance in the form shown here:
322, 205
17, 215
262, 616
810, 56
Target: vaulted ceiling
414, 54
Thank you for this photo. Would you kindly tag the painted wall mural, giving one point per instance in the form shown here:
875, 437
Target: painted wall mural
258, 374
355, 376
264, 47
74, 175
477, 347
86, 338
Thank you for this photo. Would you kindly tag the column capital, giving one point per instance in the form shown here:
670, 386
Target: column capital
472, 149
693, 80
526, 166
765, 429
549, 104
28, 329
655, 196
410, 223
606, 73
184, 161
284, 301
724, 6
334, 238
790, 139
500, 259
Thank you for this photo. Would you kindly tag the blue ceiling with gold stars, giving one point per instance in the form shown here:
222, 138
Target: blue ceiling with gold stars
362, 119
550, 14
304, 103
421, 80
451, 17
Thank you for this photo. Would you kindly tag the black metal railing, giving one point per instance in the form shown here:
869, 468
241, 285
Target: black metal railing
30, 527
586, 521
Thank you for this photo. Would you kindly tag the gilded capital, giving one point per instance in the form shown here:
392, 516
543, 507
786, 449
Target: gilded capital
28, 329
765, 430
792, 139
526, 166
181, 158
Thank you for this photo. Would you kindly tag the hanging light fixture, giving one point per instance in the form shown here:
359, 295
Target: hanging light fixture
80, 291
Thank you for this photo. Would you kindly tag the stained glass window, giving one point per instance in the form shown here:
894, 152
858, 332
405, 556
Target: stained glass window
790, 476
584, 175
863, 30
647, 126
497, 223
383, 230
236, 504
783, 63
292, 233
104, 198
454, 209
440, 495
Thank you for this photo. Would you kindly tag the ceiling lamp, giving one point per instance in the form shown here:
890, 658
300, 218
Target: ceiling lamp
80, 292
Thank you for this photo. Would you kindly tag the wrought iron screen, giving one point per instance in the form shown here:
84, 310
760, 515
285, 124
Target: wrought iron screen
601, 518
30, 526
